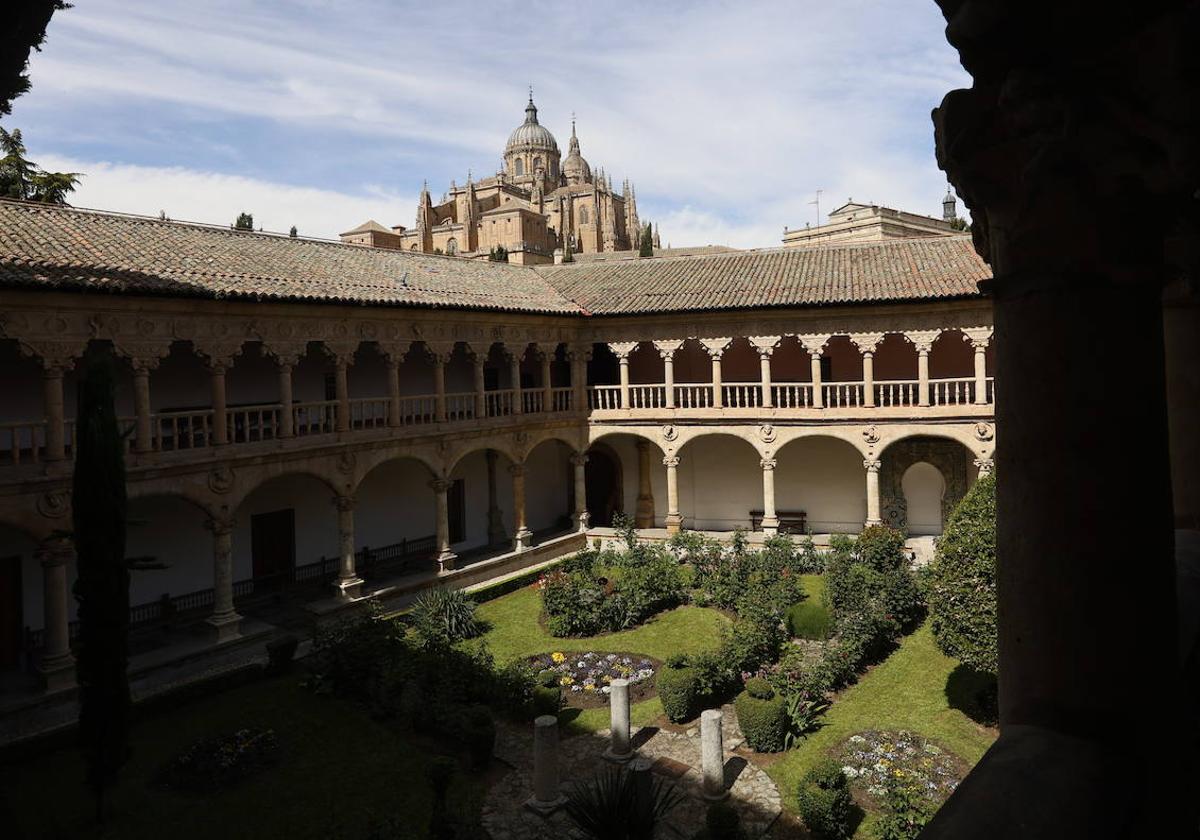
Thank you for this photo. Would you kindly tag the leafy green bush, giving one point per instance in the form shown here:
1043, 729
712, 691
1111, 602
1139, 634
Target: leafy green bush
804, 714
473, 726
349, 655
685, 546
962, 580
442, 617
748, 644
809, 561
678, 691
808, 620
762, 716
825, 802
906, 809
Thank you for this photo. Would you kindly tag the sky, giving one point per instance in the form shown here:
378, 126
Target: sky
727, 116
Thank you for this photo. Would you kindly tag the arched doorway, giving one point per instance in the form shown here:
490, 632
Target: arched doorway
605, 483
924, 493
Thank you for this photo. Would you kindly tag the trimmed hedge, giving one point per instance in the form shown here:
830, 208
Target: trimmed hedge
679, 692
825, 802
762, 716
808, 620
962, 580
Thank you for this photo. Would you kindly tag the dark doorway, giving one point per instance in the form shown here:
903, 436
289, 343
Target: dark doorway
603, 369
10, 611
273, 544
456, 501
603, 478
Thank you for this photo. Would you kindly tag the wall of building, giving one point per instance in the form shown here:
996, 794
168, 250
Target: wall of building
824, 477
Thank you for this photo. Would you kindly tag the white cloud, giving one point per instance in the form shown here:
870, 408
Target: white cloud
211, 197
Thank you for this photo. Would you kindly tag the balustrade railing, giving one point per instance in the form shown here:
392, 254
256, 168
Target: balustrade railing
314, 418
741, 395
368, 413
693, 395
990, 390
460, 407
647, 396
250, 423
842, 394
563, 399
499, 403
22, 442
890, 392
531, 401
176, 430
791, 395
953, 391
418, 409
604, 397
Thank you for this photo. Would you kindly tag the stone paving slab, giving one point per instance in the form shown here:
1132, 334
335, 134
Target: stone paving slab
676, 757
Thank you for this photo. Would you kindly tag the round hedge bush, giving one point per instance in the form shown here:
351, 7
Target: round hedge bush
678, 691
825, 802
762, 716
962, 580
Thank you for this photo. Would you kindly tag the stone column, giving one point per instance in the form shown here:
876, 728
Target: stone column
220, 422
439, 387
715, 348
341, 381
712, 755
872, 468
495, 519
674, 521
979, 339
581, 517
348, 584
984, 465
514, 358
622, 349
644, 513
815, 345
393, 378
923, 341
56, 666
620, 747
224, 623
446, 557
480, 395
546, 357
770, 521
287, 421
765, 345
867, 344
523, 538
547, 797
667, 350
580, 355
143, 429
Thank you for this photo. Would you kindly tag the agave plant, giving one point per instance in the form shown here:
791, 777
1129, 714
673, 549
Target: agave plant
804, 716
618, 805
445, 616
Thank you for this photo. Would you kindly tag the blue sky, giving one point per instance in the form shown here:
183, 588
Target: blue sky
322, 113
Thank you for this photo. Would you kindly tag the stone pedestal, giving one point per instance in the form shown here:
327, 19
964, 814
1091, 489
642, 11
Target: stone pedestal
619, 749
712, 755
547, 796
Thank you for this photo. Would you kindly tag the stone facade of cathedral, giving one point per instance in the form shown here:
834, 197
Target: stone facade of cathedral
538, 203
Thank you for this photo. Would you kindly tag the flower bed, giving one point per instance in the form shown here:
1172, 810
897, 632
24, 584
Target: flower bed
216, 763
585, 677
873, 757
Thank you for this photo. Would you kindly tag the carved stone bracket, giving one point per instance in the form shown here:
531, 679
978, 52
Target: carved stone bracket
814, 344
287, 352
979, 337
715, 347
923, 339
218, 353
866, 342
57, 355
622, 349
440, 351
667, 348
765, 344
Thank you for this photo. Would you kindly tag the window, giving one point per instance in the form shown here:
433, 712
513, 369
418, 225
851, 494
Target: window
520, 167
537, 164
583, 216
452, 246
456, 499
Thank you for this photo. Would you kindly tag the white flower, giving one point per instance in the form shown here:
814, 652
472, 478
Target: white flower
857, 739
850, 772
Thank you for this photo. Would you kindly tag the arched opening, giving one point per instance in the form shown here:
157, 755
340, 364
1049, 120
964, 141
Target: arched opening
286, 530
519, 167
395, 518
603, 368
820, 486
719, 461
451, 246
167, 533
480, 502
605, 482
549, 488
924, 491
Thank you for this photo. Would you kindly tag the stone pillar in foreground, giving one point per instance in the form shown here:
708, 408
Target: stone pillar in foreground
225, 623
348, 583
873, 515
712, 755
674, 520
581, 516
620, 749
770, 521
56, 666
446, 557
547, 796
522, 536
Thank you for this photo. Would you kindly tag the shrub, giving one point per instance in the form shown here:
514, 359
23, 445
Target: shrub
685, 545
906, 810
962, 580
747, 645
677, 689
349, 656
763, 719
722, 822
808, 620
547, 700
804, 714
474, 727
280, 653
442, 617
825, 802
810, 561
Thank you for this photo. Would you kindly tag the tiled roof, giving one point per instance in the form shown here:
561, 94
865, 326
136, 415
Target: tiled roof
76, 249
694, 251
59, 247
868, 272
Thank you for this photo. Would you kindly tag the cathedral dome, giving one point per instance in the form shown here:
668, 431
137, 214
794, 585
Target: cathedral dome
531, 134
574, 168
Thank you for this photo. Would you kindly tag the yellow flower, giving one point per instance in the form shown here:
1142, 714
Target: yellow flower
557, 657
606, 678
589, 688
566, 681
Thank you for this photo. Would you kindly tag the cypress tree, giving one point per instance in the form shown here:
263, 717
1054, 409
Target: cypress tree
647, 248
245, 221
102, 587
568, 252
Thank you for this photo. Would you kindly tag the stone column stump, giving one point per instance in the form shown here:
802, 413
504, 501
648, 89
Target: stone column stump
620, 750
712, 755
547, 796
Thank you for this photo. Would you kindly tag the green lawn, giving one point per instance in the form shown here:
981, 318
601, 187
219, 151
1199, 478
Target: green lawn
906, 691
338, 772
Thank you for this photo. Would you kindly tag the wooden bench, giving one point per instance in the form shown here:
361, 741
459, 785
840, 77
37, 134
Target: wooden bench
790, 521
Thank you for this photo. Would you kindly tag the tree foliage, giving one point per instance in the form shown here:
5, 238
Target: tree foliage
245, 221
293, 233
102, 586
498, 254
24, 30
568, 252
24, 180
962, 580
647, 243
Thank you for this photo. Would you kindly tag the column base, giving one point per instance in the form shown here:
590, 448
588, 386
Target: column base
523, 540
770, 525
545, 809
446, 561
57, 673
674, 523
872, 522
714, 796
617, 758
643, 516
581, 521
348, 588
224, 627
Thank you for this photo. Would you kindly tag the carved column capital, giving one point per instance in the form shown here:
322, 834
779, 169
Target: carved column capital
622, 349
54, 551
872, 465
765, 344
286, 353
220, 524
440, 351
866, 342
440, 485
923, 339
341, 351
218, 355
979, 337
671, 461
667, 348
57, 356
715, 347
579, 459
580, 352
394, 352
984, 465
516, 470
813, 343
768, 464
343, 503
